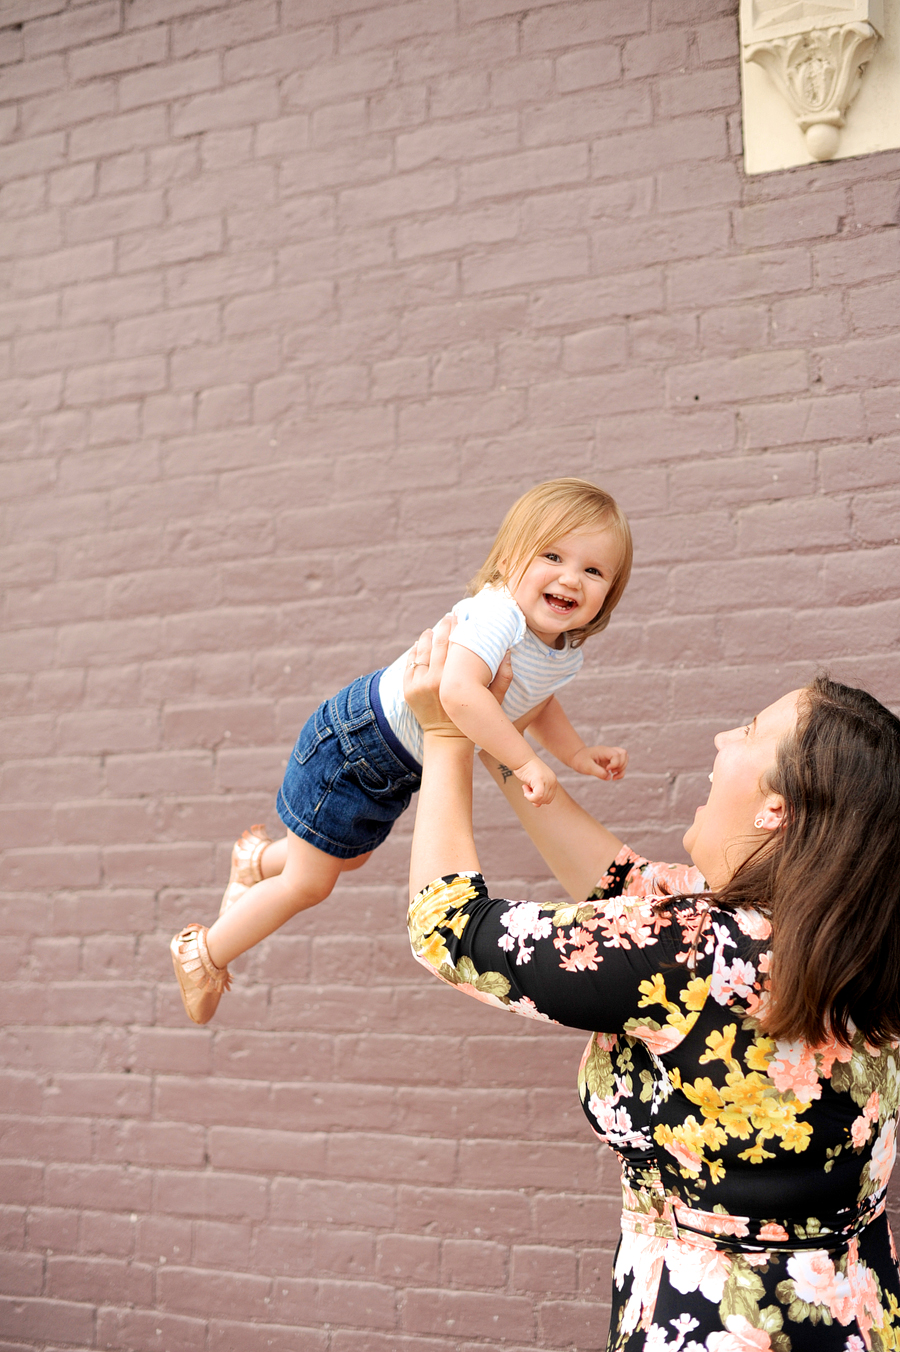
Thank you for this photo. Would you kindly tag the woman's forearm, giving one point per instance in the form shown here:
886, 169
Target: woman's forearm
443, 841
577, 847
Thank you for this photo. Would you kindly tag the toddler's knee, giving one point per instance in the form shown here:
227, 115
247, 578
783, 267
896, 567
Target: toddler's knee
349, 865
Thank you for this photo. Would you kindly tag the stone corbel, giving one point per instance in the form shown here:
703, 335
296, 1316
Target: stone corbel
817, 65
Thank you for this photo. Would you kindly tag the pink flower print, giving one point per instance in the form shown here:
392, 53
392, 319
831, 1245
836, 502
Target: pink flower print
738, 979
863, 1304
854, 1344
855, 1299
859, 1131
688, 1159
528, 1009
871, 1109
583, 957
757, 1004
751, 923
815, 1278
620, 928
614, 1124
741, 1337
695, 1267
667, 880
884, 1152
642, 1256
524, 921
712, 1222
657, 1040
832, 1051
793, 1070
773, 1231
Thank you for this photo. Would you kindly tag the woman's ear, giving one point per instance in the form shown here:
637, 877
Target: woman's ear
771, 816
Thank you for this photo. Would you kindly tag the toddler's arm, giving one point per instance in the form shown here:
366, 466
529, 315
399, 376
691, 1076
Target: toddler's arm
555, 733
467, 699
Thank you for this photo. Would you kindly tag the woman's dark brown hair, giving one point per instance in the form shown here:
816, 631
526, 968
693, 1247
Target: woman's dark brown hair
830, 882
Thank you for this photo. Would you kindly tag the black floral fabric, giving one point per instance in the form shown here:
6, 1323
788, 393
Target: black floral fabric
754, 1171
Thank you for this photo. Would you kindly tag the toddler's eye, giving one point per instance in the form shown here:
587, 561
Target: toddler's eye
554, 558
595, 571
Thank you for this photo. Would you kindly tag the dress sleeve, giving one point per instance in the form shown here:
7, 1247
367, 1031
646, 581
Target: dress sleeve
618, 964
632, 875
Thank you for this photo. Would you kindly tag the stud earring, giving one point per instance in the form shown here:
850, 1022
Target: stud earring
759, 823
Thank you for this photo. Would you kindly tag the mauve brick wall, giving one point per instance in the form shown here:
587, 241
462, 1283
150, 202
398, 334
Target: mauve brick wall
297, 296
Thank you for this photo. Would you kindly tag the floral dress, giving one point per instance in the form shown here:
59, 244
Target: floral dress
754, 1172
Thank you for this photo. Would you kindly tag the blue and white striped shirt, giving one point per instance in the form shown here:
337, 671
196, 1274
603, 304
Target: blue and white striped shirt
489, 625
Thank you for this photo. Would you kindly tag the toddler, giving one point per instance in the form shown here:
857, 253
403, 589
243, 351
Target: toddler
555, 573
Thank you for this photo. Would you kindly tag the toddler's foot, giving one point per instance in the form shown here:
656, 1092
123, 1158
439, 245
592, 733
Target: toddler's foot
201, 981
245, 870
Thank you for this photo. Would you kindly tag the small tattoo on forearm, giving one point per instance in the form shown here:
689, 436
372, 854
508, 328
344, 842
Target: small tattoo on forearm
505, 771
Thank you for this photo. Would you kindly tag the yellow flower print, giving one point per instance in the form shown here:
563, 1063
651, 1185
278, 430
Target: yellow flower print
773, 1116
736, 1122
796, 1136
431, 906
759, 1054
756, 1154
653, 992
747, 1092
721, 1047
434, 951
683, 1023
457, 924
695, 992
706, 1096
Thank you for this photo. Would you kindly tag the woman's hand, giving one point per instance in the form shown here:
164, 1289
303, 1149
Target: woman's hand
422, 679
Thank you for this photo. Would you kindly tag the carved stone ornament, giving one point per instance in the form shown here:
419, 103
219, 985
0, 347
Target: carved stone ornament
815, 60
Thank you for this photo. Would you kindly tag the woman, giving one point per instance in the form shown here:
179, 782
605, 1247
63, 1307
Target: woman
747, 1071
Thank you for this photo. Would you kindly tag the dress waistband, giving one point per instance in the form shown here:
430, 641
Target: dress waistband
649, 1210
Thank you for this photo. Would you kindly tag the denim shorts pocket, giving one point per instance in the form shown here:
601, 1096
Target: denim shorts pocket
375, 768
316, 730
370, 778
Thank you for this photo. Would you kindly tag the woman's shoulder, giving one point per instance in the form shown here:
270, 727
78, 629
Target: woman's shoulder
637, 880
632, 875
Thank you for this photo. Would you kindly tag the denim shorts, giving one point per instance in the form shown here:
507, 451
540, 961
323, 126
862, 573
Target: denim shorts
348, 778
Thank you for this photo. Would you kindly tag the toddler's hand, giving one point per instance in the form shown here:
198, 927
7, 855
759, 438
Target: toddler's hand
539, 781
604, 762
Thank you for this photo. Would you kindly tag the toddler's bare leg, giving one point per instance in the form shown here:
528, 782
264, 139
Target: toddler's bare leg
274, 857
307, 876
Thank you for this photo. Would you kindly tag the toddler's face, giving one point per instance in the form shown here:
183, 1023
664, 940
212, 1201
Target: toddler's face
566, 585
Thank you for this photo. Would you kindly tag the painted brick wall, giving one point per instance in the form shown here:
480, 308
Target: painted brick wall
297, 295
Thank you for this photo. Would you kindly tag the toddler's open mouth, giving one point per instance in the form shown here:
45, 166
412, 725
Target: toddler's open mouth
562, 604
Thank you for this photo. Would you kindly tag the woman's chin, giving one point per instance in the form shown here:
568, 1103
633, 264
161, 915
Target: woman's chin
690, 834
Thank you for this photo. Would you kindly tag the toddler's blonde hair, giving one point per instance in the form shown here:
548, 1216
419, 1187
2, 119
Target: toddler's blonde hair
544, 515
